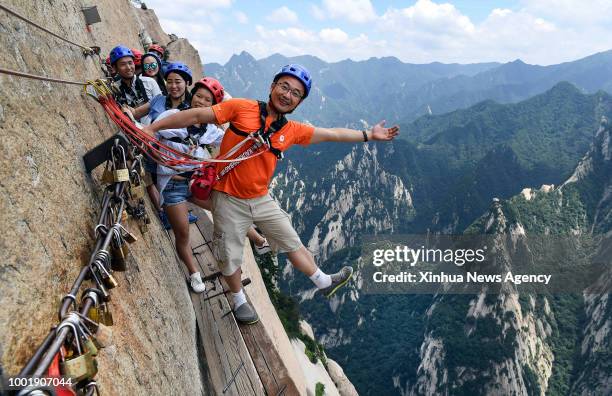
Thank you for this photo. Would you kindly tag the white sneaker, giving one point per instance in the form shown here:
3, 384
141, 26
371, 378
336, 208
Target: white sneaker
197, 285
263, 249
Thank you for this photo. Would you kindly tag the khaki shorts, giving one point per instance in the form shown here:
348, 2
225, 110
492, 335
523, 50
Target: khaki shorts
232, 218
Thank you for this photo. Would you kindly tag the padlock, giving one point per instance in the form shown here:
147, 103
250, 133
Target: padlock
124, 216
54, 372
137, 191
107, 279
120, 172
110, 282
107, 175
93, 314
88, 340
80, 366
99, 284
128, 236
118, 260
90, 346
107, 315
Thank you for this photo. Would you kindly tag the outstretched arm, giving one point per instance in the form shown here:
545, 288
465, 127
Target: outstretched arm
183, 119
378, 132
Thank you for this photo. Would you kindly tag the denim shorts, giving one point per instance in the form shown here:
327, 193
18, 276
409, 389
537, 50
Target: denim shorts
176, 192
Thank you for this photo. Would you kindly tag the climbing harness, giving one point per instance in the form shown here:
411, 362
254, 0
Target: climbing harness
204, 179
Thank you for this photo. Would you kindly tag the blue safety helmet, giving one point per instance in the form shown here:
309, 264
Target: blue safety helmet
180, 68
119, 52
299, 72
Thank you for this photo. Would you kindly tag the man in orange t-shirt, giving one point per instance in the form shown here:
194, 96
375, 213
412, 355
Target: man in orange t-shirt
241, 198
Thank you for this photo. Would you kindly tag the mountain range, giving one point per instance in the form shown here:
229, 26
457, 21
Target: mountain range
502, 149
351, 93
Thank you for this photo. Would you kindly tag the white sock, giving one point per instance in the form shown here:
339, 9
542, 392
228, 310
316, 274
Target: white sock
321, 279
239, 298
196, 275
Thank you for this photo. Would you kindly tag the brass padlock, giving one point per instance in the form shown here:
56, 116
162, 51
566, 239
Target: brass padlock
93, 314
107, 279
118, 260
80, 366
128, 236
120, 172
124, 216
110, 282
121, 175
90, 346
99, 283
137, 191
89, 341
107, 175
106, 316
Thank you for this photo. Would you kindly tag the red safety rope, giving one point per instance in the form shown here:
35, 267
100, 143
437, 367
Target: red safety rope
159, 152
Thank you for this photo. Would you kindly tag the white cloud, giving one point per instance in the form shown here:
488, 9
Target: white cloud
571, 12
283, 16
317, 12
427, 17
333, 36
241, 17
537, 31
332, 44
357, 11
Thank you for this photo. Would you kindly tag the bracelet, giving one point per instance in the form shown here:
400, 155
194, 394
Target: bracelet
365, 135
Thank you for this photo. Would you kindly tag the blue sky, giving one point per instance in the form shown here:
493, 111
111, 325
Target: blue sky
417, 31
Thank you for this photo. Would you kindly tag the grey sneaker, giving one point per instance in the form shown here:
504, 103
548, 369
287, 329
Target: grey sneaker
246, 314
339, 279
263, 249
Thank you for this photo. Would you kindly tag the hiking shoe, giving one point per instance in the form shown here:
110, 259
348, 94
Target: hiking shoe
338, 279
192, 218
197, 285
164, 220
246, 314
263, 249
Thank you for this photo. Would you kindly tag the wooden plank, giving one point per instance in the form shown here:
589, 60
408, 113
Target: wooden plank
270, 369
219, 332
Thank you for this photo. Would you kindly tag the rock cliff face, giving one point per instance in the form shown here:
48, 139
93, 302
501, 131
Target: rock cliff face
50, 207
547, 343
354, 197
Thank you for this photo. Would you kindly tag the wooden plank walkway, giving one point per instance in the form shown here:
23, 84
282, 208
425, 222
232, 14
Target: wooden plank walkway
248, 362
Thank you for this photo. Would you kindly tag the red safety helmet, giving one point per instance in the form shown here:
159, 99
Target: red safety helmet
137, 57
157, 48
213, 86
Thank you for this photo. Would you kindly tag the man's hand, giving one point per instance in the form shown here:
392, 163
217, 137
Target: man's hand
379, 132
